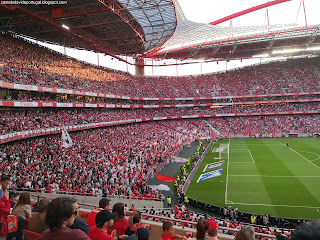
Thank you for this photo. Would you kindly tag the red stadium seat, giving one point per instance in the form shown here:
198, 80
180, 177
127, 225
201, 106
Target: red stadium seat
28, 235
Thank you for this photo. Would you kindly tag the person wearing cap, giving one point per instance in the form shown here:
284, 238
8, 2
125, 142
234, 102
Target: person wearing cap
104, 204
213, 230
104, 221
13, 198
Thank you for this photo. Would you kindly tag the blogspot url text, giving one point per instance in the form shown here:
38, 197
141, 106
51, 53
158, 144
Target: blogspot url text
34, 2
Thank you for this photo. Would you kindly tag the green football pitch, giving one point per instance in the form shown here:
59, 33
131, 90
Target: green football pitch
263, 176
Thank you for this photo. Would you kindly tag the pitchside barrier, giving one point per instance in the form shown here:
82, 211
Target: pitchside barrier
195, 168
244, 217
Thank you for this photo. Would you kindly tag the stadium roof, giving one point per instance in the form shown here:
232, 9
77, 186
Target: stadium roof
124, 27
205, 41
148, 29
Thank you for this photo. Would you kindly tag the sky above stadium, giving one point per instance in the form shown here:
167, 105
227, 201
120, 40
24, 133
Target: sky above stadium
292, 12
297, 12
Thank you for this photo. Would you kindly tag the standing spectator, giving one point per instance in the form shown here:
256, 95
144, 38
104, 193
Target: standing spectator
37, 221
23, 206
61, 213
169, 201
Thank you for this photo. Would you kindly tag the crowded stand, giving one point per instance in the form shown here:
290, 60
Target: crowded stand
51, 69
131, 151
17, 120
252, 126
231, 220
117, 161
123, 143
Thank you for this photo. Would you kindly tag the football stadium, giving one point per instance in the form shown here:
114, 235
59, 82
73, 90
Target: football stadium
160, 119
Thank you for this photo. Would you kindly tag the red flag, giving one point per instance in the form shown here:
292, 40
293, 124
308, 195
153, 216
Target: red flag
165, 178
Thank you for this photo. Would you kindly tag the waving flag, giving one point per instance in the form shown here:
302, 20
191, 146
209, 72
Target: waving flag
66, 139
165, 178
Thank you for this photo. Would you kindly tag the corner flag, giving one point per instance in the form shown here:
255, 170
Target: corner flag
66, 139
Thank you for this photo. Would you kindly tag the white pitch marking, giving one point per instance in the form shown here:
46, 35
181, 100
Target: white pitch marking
226, 197
271, 205
241, 162
274, 176
251, 156
304, 158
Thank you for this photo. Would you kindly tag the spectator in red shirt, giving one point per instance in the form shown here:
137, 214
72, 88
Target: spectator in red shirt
120, 223
4, 204
104, 204
104, 221
168, 232
132, 208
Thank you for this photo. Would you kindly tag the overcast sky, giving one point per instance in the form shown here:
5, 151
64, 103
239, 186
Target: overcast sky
206, 11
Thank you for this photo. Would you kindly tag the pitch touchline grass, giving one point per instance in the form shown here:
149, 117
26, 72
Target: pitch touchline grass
273, 176
272, 205
264, 176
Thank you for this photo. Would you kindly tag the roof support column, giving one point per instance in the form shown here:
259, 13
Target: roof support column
139, 63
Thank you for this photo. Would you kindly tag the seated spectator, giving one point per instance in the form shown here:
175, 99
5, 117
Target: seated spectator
80, 224
281, 237
37, 221
104, 204
23, 206
246, 233
104, 221
168, 232
61, 213
120, 223
307, 231
142, 233
213, 230
134, 223
13, 198
4, 205
202, 229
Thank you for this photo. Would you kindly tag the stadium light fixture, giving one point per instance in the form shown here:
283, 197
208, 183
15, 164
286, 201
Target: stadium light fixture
296, 50
261, 55
65, 26
289, 50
